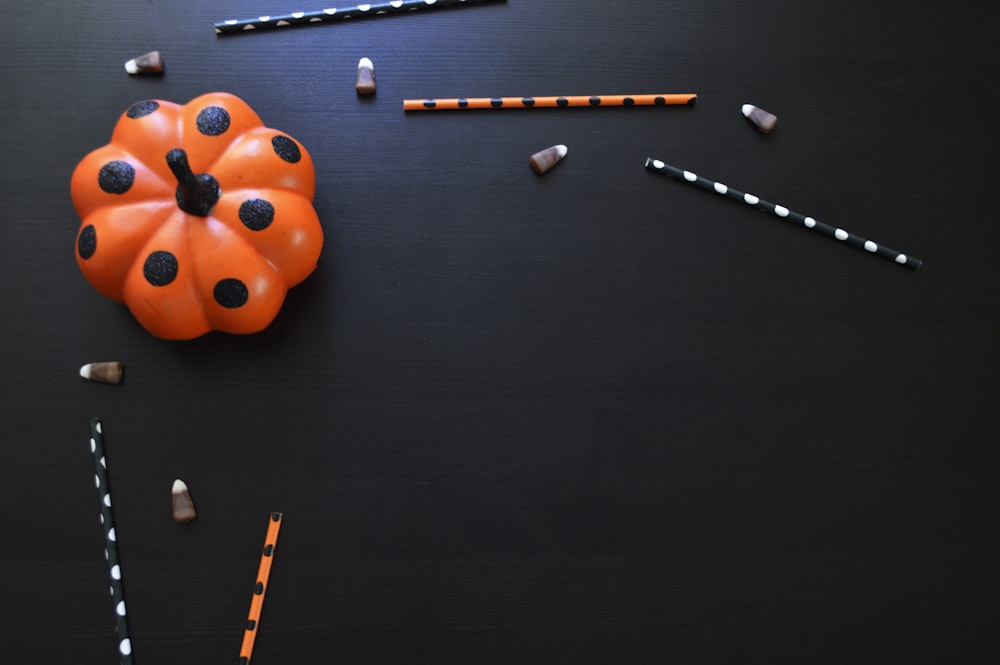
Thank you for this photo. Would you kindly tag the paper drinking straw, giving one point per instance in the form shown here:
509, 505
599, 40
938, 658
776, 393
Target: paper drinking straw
260, 588
431, 104
111, 540
834, 232
365, 10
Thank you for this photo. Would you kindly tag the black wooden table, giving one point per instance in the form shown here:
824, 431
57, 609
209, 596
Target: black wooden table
592, 416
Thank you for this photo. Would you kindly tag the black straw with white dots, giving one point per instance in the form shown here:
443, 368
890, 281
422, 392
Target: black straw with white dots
804, 221
363, 10
110, 540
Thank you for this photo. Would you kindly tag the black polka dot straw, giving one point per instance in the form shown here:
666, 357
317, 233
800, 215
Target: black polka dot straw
364, 10
110, 540
260, 587
801, 220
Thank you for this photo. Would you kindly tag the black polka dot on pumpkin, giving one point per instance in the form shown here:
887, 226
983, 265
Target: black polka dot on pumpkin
230, 293
213, 120
285, 148
140, 109
160, 268
116, 177
256, 214
86, 243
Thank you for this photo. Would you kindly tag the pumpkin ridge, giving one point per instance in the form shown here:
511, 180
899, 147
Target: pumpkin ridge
299, 176
141, 296
133, 241
229, 319
191, 248
168, 208
248, 245
145, 188
284, 191
163, 181
284, 243
132, 134
222, 155
232, 137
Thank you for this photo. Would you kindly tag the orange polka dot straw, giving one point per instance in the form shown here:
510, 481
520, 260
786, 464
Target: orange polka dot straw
260, 588
547, 102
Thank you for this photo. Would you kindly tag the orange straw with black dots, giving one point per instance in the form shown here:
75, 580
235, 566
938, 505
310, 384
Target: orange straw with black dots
257, 601
550, 102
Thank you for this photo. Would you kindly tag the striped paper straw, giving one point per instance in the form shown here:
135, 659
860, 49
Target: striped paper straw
111, 540
834, 232
260, 588
365, 10
449, 104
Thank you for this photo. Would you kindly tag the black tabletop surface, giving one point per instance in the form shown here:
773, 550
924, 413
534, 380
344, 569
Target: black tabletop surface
590, 416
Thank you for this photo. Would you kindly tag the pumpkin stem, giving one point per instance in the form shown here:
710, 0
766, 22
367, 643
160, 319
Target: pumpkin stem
196, 194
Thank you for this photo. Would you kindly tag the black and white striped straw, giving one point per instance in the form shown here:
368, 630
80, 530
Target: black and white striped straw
781, 211
335, 14
110, 540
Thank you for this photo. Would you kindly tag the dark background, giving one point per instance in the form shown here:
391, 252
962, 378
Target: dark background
595, 416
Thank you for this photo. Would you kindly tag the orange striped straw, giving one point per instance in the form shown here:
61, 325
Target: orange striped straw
257, 601
431, 104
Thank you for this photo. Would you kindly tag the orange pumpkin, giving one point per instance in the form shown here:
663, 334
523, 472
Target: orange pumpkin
197, 217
